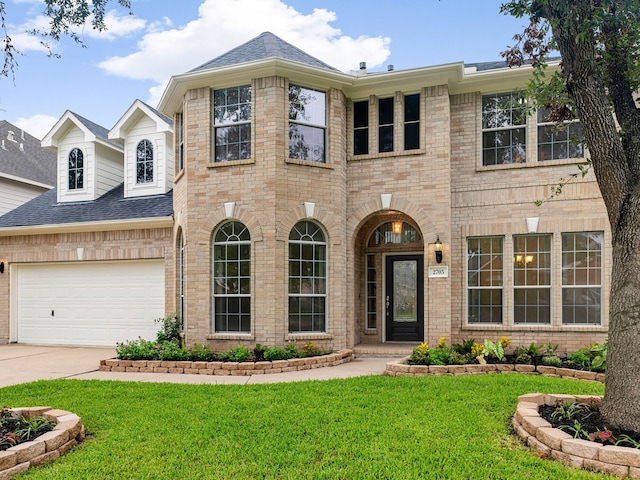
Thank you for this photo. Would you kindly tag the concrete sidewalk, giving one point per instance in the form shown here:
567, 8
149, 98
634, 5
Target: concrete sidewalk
26, 363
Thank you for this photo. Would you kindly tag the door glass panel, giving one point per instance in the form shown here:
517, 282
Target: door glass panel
405, 302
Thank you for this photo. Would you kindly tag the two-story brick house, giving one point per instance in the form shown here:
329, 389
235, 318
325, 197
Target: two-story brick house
360, 208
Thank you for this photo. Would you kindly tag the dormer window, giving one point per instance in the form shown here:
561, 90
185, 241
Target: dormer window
307, 124
144, 162
232, 123
76, 169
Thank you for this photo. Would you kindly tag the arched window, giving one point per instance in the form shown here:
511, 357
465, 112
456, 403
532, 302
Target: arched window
394, 233
144, 162
232, 278
76, 169
307, 278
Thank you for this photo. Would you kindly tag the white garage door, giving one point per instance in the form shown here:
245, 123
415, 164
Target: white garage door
88, 303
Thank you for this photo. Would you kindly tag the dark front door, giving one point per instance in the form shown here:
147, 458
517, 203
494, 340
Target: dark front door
404, 301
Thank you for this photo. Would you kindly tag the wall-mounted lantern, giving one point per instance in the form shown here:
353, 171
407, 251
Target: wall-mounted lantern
437, 247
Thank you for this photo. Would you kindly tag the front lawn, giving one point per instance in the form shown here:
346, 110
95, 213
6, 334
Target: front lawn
361, 428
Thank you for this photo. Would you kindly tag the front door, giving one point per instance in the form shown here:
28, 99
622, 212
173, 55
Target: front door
404, 301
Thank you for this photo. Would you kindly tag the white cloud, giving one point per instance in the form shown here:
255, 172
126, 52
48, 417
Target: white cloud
118, 25
37, 125
224, 24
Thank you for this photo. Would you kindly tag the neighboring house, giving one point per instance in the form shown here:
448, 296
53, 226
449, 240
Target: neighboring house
26, 169
315, 205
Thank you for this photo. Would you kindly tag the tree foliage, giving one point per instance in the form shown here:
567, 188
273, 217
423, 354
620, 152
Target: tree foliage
66, 18
599, 76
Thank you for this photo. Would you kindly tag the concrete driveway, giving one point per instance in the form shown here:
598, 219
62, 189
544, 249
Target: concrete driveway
26, 363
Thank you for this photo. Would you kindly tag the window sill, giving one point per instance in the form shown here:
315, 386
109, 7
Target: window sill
231, 163
535, 328
231, 336
308, 336
547, 163
375, 156
308, 163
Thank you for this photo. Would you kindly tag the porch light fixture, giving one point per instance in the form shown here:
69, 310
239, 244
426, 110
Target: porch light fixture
1, 266
437, 247
396, 228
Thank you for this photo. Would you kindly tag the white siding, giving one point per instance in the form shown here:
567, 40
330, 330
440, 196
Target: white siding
109, 170
74, 138
13, 194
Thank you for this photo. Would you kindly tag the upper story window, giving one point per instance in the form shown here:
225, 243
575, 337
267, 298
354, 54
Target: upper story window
504, 122
307, 124
180, 121
144, 162
385, 124
232, 123
361, 127
412, 122
555, 141
76, 169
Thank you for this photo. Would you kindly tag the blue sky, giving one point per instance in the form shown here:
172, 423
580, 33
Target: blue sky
137, 55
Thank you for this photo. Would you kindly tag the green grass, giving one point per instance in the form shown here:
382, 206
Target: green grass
362, 428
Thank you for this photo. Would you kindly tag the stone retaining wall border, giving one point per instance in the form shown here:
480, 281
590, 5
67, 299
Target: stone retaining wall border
68, 432
227, 368
623, 462
399, 368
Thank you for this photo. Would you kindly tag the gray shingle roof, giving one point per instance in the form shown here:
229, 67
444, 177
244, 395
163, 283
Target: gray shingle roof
32, 162
45, 210
98, 130
160, 114
266, 45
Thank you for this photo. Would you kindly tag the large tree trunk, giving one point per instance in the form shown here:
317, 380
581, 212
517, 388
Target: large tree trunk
615, 162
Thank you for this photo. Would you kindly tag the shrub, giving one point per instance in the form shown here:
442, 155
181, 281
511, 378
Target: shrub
172, 351
276, 353
523, 358
494, 350
139, 349
170, 329
310, 350
238, 354
456, 358
465, 347
202, 353
552, 361
439, 356
258, 352
419, 354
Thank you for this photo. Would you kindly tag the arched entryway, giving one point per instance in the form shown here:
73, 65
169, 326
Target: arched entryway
389, 280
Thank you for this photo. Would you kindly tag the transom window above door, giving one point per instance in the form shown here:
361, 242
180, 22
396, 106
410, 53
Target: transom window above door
394, 233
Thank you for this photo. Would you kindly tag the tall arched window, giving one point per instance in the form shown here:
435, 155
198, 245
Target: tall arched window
232, 278
144, 162
76, 169
307, 278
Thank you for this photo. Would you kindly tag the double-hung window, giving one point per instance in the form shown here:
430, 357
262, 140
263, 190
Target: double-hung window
412, 122
232, 278
532, 279
76, 169
557, 142
180, 121
484, 280
582, 278
385, 124
307, 278
504, 121
232, 123
307, 124
361, 127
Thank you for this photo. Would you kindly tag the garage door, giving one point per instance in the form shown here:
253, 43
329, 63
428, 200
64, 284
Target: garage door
88, 303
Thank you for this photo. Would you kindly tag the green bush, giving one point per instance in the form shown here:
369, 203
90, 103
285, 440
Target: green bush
276, 353
238, 354
439, 356
552, 361
139, 349
170, 329
172, 351
202, 353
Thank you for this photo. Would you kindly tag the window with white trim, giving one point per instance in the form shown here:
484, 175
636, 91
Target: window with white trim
558, 141
582, 278
307, 278
181, 277
532, 279
232, 278
484, 280
75, 166
504, 129
307, 124
232, 123
144, 162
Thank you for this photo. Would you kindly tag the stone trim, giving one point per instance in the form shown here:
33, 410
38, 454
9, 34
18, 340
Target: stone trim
68, 432
227, 368
399, 368
536, 432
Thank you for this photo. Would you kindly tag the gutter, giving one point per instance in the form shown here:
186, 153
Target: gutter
80, 227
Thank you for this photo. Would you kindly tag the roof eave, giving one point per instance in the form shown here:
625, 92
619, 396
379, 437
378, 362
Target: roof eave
312, 77
79, 227
26, 181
